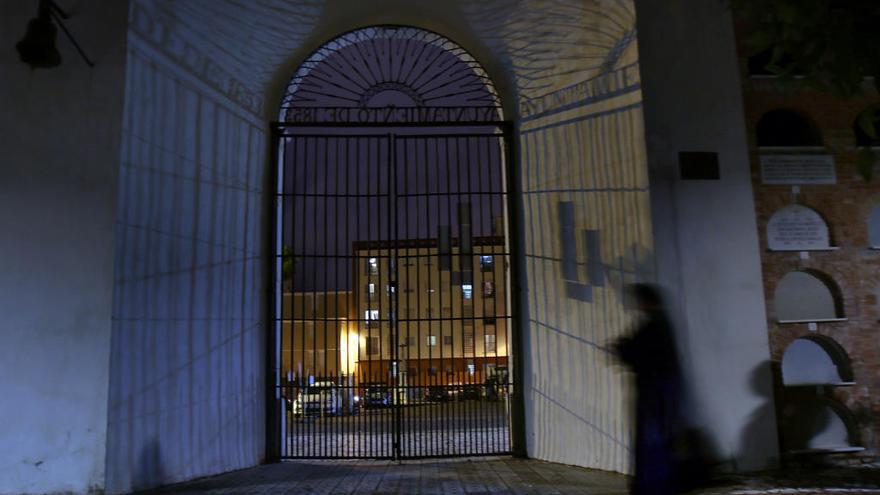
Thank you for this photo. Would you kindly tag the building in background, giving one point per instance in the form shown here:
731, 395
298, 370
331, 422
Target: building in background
313, 335
448, 308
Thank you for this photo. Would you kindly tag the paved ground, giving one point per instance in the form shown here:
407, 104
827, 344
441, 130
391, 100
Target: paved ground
454, 476
503, 475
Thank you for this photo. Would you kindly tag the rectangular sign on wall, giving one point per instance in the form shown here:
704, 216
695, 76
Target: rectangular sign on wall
798, 169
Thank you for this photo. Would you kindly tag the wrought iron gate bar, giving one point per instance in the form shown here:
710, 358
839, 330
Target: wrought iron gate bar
416, 347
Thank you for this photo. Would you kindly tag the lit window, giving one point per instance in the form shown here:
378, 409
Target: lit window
487, 263
389, 289
371, 314
490, 343
373, 266
371, 291
432, 340
467, 291
488, 288
373, 345
471, 369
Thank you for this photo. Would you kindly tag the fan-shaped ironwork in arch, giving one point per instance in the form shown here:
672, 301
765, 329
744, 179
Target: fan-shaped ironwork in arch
390, 66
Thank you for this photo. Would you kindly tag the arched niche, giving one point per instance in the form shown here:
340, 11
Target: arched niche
815, 360
863, 138
784, 128
808, 296
819, 424
874, 227
797, 228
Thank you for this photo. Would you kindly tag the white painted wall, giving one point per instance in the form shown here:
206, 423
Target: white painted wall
187, 388
705, 231
59, 150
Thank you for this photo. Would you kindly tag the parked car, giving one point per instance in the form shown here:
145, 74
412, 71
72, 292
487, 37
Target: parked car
318, 399
293, 406
496, 386
437, 393
375, 395
465, 391
470, 391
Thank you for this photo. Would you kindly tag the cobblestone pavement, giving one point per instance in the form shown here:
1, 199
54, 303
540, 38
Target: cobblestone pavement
499, 475
448, 476
803, 481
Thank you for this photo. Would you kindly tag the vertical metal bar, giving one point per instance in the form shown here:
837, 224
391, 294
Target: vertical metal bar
345, 263
293, 444
467, 257
405, 287
423, 440
295, 427
358, 266
369, 219
305, 438
474, 151
516, 345
394, 310
326, 262
274, 448
449, 416
315, 445
494, 314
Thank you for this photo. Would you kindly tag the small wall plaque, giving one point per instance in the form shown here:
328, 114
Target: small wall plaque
797, 228
798, 169
874, 227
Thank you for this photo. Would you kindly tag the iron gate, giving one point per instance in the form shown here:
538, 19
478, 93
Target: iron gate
392, 293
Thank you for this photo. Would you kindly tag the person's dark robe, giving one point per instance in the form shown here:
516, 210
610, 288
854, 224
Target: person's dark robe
651, 354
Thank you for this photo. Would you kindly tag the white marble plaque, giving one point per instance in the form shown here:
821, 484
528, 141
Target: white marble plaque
798, 169
874, 227
797, 228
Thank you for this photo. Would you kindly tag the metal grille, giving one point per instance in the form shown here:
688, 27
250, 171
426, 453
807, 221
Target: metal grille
392, 298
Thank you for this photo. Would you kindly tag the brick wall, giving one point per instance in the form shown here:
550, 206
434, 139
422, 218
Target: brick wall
845, 206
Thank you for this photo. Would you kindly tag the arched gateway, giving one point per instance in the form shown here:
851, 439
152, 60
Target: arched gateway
392, 296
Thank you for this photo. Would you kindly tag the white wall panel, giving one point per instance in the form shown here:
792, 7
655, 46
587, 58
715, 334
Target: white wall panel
59, 150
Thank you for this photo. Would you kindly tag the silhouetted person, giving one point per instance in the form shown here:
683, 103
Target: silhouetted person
651, 354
